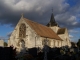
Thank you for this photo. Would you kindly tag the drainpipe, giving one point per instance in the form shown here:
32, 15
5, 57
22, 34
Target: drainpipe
35, 41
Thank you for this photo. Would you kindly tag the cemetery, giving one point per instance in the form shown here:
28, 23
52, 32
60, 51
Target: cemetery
39, 29
47, 53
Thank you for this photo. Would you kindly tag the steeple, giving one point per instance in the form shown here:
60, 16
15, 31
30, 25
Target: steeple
52, 18
52, 21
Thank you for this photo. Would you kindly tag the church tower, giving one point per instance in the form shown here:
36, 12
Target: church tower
52, 23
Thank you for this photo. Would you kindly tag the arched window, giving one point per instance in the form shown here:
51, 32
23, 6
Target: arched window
46, 42
22, 31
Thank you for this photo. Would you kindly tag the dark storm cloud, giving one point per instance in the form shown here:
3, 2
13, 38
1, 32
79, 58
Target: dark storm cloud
67, 20
39, 11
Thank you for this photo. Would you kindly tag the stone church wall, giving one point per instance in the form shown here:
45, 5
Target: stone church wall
31, 40
53, 42
55, 28
1, 43
65, 38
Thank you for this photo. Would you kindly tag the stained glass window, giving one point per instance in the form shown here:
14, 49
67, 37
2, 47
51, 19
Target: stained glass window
22, 31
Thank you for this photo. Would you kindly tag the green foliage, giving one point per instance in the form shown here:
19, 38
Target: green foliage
78, 43
5, 44
62, 52
73, 44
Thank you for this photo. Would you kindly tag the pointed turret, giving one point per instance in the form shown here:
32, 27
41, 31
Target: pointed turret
52, 21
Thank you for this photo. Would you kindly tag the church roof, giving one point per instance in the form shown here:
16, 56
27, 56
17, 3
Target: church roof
61, 31
52, 21
42, 30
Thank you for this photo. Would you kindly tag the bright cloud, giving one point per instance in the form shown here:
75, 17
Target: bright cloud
70, 36
73, 31
36, 5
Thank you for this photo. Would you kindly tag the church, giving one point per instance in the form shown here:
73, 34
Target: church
29, 34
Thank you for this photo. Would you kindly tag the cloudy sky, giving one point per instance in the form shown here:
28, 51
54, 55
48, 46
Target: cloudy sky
66, 13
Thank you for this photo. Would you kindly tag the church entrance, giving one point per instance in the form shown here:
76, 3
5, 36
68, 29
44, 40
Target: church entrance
22, 47
22, 44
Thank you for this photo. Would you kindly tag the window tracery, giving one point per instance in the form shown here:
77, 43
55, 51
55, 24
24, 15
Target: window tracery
22, 31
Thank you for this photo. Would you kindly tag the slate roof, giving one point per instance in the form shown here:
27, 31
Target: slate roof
42, 30
61, 31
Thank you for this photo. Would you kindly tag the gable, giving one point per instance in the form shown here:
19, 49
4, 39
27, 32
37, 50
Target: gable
42, 30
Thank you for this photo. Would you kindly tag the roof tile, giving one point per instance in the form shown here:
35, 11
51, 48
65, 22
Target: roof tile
42, 30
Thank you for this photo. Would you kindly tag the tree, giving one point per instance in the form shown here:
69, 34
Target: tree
73, 44
78, 43
5, 44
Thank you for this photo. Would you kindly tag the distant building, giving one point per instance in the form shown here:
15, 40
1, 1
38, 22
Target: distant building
1, 43
29, 34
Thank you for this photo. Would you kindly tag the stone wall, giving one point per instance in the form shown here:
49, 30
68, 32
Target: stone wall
1, 43
31, 40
